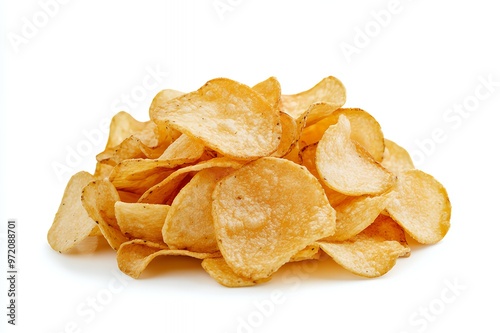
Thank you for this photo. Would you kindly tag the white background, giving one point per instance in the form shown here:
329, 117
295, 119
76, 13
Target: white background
74, 71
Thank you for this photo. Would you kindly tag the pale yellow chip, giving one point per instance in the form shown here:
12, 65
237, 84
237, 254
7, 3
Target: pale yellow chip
220, 271
329, 90
162, 192
134, 256
420, 204
123, 126
185, 148
72, 223
365, 130
356, 213
99, 198
267, 211
373, 252
227, 116
189, 224
141, 220
346, 167
396, 158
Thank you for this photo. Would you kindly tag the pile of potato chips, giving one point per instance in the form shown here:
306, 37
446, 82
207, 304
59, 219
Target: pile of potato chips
247, 179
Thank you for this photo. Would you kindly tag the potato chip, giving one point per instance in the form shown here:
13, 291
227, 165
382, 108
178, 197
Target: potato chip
270, 89
134, 256
346, 167
329, 90
373, 252
72, 223
258, 227
289, 135
140, 220
227, 116
185, 148
420, 204
99, 198
189, 224
365, 130
220, 271
356, 213
308, 253
161, 192
123, 126
396, 159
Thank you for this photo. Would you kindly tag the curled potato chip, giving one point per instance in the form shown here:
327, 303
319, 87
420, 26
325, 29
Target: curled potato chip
227, 116
72, 223
365, 130
123, 126
329, 91
140, 220
258, 227
270, 89
346, 167
220, 271
189, 224
356, 213
396, 159
289, 135
161, 192
373, 252
420, 204
99, 198
185, 148
134, 256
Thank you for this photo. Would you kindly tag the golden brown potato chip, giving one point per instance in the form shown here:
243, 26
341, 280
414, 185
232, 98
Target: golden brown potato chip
373, 252
189, 224
308, 159
140, 220
185, 148
161, 192
329, 90
138, 175
267, 211
227, 116
134, 256
420, 204
365, 130
219, 270
99, 198
289, 135
72, 223
270, 89
123, 126
356, 213
346, 167
396, 158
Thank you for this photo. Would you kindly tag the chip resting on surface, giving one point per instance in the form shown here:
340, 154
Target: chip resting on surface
246, 179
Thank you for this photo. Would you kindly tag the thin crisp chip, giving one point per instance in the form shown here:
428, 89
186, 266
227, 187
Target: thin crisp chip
373, 252
72, 223
189, 224
99, 198
346, 167
185, 148
134, 256
219, 270
396, 158
267, 211
140, 220
329, 90
270, 89
308, 253
227, 116
420, 204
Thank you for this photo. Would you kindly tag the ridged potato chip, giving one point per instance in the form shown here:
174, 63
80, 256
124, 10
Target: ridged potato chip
420, 204
346, 167
268, 206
